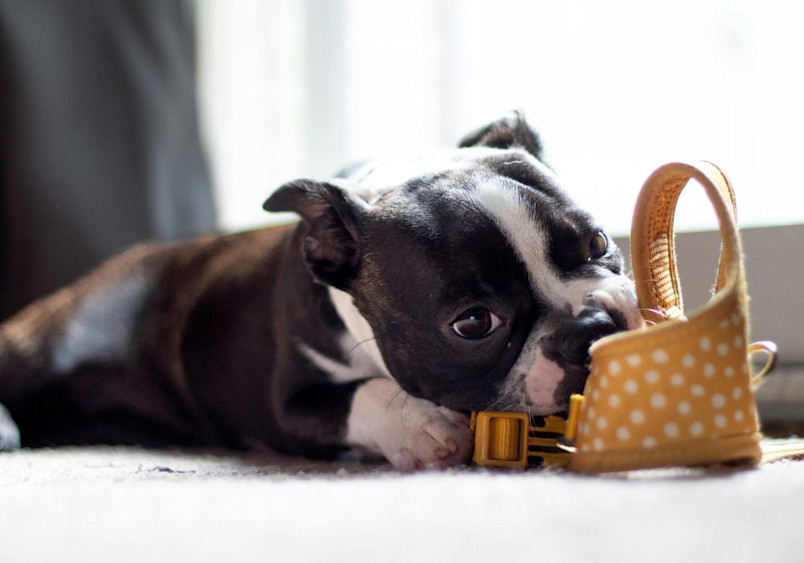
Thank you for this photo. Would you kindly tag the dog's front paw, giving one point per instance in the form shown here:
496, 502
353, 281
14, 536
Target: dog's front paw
411, 433
423, 435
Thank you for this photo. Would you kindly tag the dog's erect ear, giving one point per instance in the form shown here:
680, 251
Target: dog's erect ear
510, 131
332, 215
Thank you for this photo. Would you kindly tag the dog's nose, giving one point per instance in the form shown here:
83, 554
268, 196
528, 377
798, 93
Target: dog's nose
578, 333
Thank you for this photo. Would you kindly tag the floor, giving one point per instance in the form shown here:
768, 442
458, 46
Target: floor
129, 504
124, 504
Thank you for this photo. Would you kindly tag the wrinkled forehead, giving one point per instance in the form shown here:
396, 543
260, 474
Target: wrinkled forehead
380, 176
509, 190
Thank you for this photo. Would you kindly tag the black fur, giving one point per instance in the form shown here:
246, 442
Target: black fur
226, 331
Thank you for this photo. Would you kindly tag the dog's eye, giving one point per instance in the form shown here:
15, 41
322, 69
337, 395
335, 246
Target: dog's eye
598, 246
476, 323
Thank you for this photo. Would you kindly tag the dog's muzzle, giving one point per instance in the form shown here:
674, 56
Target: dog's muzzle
572, 336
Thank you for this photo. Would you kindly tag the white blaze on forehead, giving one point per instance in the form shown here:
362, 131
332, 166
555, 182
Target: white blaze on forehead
506, 206
381, 175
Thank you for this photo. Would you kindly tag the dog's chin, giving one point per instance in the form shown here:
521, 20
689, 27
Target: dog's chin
549, 385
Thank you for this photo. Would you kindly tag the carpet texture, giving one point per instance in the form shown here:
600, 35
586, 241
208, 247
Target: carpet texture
128, 504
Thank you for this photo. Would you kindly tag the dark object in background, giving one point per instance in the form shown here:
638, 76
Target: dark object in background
99, 142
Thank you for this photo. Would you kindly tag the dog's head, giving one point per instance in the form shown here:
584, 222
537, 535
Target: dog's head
480, 282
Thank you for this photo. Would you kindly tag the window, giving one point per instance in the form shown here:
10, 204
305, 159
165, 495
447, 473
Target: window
299, 88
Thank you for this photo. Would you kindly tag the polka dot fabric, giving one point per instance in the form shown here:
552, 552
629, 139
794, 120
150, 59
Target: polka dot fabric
679, 392
658, 398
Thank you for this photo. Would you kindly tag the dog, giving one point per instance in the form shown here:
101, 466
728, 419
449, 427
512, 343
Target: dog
411, 292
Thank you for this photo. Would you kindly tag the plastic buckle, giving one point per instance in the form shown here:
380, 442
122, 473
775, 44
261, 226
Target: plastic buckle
513, 439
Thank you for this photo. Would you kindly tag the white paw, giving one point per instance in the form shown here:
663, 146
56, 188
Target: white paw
411, 433
9, 433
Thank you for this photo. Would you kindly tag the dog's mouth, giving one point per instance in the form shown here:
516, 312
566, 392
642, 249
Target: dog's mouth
560, 367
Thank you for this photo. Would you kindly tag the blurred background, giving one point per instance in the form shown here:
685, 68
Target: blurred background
299, 87
293, 88
125, 120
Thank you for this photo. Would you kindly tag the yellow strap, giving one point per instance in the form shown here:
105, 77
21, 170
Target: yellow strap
777, 450
653, 237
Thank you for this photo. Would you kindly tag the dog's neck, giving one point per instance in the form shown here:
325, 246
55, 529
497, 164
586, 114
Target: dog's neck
358, 327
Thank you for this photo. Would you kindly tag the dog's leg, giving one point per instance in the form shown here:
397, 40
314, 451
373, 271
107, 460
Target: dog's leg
27, 343
25, 358
90, 322
411, 433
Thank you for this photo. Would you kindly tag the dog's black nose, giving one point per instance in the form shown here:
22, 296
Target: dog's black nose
578, 333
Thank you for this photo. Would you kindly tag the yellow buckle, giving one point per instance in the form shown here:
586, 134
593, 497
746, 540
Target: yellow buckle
512, 439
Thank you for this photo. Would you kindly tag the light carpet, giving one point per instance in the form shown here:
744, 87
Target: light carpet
128, 504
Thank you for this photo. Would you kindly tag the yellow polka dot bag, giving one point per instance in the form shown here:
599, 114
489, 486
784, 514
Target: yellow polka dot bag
680, 391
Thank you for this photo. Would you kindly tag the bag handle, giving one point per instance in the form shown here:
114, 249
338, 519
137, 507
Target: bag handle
653, 237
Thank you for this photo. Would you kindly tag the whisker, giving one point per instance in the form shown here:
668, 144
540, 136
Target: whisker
393, 398
355, 347
659, 313
497, 403
510, 400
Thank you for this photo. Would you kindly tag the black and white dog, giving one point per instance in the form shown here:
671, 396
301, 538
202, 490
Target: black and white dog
410, 294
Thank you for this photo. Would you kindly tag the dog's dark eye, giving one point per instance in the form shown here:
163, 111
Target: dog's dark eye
598, 246
476, 323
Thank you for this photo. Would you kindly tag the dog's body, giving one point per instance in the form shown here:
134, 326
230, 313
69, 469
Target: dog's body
408, 296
